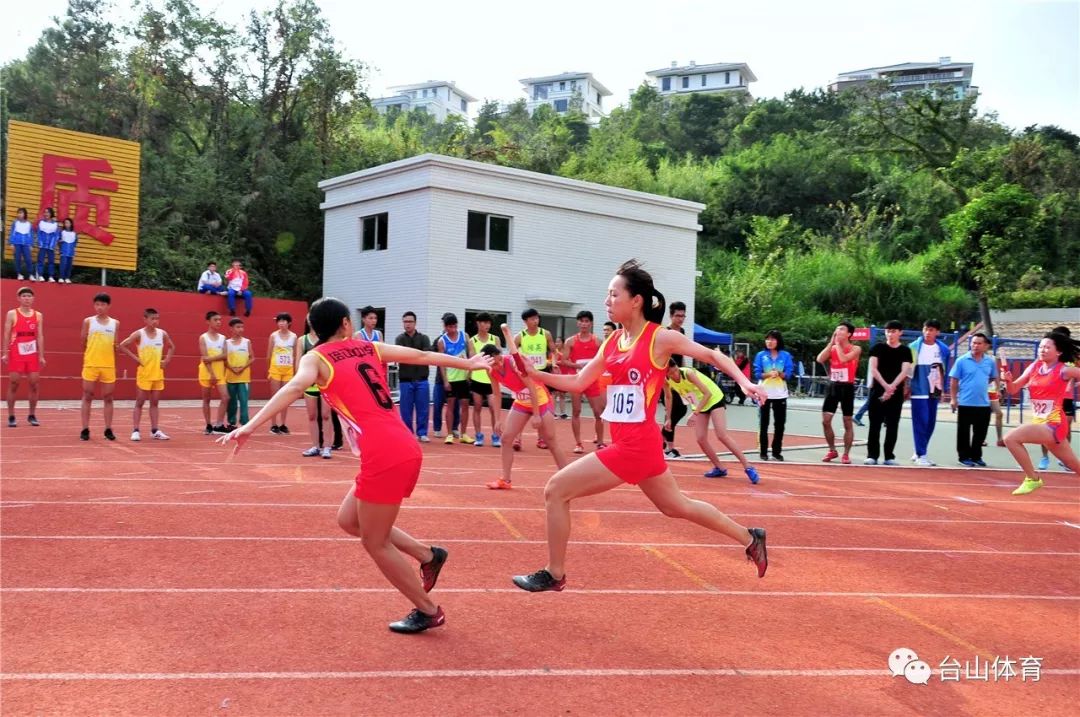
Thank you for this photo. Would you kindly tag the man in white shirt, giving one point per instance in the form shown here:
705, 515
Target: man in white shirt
210, 281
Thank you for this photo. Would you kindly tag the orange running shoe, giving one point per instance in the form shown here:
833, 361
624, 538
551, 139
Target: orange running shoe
499, 484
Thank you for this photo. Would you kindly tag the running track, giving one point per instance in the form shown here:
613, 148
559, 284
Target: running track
158, 578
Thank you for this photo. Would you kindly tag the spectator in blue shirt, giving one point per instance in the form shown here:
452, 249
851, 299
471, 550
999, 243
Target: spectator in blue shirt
21, 240
970, 401
48, 237
210, 281
930, 365
772, 369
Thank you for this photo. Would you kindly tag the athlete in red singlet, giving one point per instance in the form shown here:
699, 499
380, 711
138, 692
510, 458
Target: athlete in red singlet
580, 349
23, 352
350, 377
1047, 380
636, 357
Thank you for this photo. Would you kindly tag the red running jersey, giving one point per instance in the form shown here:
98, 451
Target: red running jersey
583, 350
522, 398
635, 387
840, 372
24, 333
357, 390
1048, 390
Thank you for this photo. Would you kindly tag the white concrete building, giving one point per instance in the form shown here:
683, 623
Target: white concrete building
437, 98
563, 91
433, 234
716, 77
942, 76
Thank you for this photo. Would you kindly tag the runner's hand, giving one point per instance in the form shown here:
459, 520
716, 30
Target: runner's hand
480, 361
240, 436
756, 392
691, 421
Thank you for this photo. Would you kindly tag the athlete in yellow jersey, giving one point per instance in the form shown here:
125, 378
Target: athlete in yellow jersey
480, 382
537, 346
238, 360
150, 376
281, 353
703, 397
212, 372
99, 363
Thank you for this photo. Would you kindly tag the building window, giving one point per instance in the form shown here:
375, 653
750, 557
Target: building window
727, 78
488, 232
685, 82
597, 98
540, 92
573, 84
374, 232
562, 86
463, 106
560, 105
703, 80
665, 84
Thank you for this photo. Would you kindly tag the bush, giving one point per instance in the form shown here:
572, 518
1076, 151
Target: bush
1057, 297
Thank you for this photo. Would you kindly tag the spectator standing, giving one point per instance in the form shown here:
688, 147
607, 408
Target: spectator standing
68, 239
237, 281
677, 409
842, 358
772, 368
413, 387
970, 401
930, 359
210, 281
48, 238
890, 362
23, 352
21, 239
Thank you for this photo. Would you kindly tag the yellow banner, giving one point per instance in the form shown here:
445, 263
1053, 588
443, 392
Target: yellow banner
90, 179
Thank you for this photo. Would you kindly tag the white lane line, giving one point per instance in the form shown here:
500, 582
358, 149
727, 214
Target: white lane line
115, 497
497, 541
962, 499
798, 515
516, 591
1071, 525
466, 674
194, 492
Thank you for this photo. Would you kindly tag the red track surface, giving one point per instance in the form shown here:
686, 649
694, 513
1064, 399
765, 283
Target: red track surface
157, 578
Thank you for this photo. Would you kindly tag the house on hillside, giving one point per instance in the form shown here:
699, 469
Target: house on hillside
943, 77
438, 98
708, 79
563, 91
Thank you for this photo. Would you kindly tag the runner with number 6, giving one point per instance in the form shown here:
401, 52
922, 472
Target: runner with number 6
636, 356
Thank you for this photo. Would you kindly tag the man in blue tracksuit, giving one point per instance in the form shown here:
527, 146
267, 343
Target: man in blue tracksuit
930, 366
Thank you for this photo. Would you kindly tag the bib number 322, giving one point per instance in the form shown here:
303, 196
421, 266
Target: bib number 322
625, 404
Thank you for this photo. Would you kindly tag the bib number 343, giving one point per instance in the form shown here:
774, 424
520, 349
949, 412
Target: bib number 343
625, 404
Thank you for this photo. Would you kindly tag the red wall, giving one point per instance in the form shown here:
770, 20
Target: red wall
64, 306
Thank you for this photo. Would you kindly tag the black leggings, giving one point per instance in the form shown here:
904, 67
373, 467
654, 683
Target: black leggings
676, 410
779, 410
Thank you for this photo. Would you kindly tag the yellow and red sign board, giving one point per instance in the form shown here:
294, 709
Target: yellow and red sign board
94, 180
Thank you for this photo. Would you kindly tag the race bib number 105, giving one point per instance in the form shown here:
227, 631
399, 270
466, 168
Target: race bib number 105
625, 404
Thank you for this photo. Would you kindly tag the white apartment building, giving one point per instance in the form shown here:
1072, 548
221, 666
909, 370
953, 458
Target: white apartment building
438, 98
943, 76
432, 234
562, 91
711, 78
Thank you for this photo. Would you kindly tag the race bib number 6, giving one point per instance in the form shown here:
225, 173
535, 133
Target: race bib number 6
625, 404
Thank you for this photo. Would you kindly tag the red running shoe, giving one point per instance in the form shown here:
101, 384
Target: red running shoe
845, 459
831, 455
540, 443
756, 552
499, 484
429, 571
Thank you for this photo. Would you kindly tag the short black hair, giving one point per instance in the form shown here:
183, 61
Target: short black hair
284, 316
211, 263
483, 316
932, 324
490, 350
369, 309
586, 314
449, 319
611, 324
775, 334
236, 322
211, 314
894, 324
407, 314
672, 363
849, 326
676, 306
102, 297
981, 335
25, 290
148, 312
529, 313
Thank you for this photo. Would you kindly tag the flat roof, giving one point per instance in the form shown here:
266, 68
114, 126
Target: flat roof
467, 165
910, 66
569, 76
698, 69
433, 83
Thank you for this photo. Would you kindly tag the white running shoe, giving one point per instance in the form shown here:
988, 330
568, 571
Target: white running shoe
135, 436
924, 461
870, 462
424, 439
159, 435
20, 277
326, 452
52, 280
311, 452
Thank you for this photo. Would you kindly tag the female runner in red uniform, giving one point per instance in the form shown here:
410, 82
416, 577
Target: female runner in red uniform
1047, 380
636, 356
350, 377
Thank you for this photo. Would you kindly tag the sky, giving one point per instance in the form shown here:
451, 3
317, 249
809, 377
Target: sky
1026, 52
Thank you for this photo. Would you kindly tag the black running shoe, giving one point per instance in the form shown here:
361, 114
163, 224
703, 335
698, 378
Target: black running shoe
764, 456
429, 571
540, 581
220, 428
231, 427
11, 421
275, 430
84, 434
32, 420
283, 430
417, 621
109, 435
756, 551
208, 430
778, 457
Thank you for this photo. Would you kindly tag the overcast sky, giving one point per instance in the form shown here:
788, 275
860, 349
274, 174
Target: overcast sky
1026, 52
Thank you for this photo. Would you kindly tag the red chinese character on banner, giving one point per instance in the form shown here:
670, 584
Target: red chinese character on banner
66, 184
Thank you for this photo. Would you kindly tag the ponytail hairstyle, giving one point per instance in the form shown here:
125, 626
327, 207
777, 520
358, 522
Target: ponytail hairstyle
640, 283
326, 316
1069, 347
